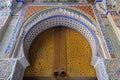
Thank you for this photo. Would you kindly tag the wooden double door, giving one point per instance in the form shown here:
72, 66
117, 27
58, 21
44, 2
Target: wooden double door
60, 53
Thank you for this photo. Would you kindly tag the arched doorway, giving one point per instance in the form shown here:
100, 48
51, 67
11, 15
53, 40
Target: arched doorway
60, 49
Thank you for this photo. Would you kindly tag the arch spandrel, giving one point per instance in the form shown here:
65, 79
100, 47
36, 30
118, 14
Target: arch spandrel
69, 11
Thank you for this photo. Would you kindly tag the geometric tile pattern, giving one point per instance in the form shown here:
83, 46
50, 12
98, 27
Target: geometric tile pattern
111, 37
105, 37
60, 11
86, 9
5, 5
113, 69
6, 39
5, 69
106, 34
13, 29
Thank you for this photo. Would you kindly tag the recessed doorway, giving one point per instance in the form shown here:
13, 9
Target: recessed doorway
60, 53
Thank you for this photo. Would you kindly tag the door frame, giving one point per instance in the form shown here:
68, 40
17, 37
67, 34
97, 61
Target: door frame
55, 18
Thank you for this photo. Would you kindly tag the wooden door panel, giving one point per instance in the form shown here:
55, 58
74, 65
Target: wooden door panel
56, 48
60, 48
63, 55
78, 55
41, 55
